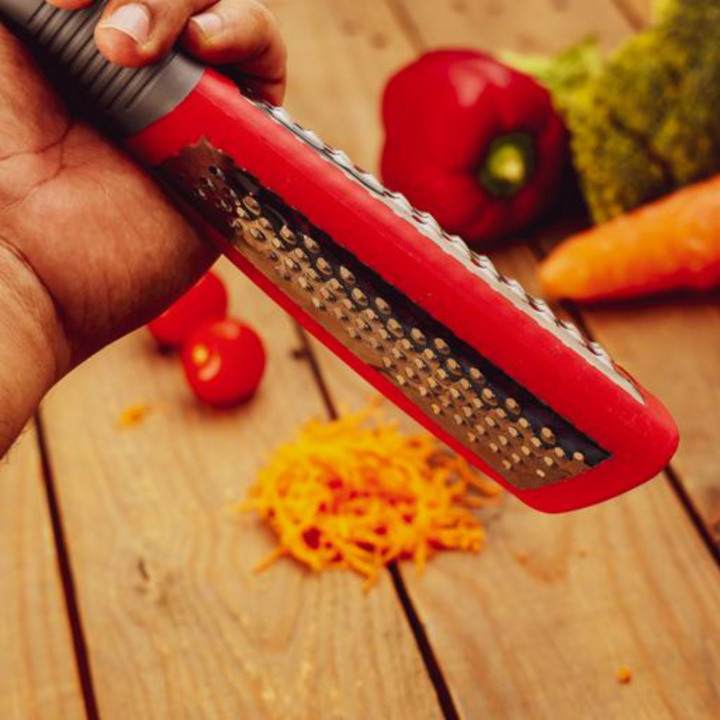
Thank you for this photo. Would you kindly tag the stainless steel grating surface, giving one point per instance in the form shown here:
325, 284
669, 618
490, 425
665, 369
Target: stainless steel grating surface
471, 399
480, 265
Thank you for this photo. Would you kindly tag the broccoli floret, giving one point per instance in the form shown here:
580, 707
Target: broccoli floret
663, 10
648, 123
644, 121
614, 169
689, 137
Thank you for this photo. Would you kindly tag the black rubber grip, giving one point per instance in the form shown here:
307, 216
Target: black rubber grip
133, 98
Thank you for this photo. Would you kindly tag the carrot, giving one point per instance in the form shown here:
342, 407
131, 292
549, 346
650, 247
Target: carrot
671, 244
358, 493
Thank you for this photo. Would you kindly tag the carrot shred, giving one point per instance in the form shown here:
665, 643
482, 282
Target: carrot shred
357, 493
134, 415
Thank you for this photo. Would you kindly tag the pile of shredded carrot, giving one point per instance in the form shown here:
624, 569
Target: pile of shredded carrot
358, 493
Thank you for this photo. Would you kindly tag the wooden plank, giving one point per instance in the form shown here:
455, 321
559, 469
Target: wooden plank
341, 53
688, 379
626, 583
637, 335
38, 679
673, 346
178, 625
529, 25
538, 625
546, 638
638, 12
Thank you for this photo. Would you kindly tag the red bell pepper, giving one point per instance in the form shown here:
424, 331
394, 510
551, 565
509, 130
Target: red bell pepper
472, 141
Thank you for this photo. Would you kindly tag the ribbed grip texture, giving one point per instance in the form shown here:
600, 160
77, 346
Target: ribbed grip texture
133, 97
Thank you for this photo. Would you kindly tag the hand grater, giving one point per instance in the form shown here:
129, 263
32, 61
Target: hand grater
433, 326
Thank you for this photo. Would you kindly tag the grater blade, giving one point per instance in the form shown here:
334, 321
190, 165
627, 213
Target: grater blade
458, 389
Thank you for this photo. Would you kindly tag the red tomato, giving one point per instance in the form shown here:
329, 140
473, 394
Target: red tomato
206, 300
224, 362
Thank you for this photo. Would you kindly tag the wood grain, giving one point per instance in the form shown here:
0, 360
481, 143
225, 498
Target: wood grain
687, 378
341, 54
38, 679
672, 345
543, 26
178, 624
637, 12
538, 625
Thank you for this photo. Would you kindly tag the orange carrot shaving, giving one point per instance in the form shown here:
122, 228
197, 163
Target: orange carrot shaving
134, 415
357, 493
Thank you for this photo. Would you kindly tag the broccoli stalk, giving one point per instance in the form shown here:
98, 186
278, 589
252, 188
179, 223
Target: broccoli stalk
566, 75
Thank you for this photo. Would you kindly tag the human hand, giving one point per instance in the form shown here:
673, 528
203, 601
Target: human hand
90, 248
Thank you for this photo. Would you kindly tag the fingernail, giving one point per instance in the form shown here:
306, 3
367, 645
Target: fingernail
209, 23
132, 20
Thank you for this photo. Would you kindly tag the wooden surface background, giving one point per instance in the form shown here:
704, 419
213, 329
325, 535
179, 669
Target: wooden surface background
126, 586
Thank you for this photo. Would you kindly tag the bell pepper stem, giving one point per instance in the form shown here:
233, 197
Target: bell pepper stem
508, 164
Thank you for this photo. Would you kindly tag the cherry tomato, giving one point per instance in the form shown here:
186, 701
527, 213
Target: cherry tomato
206, 300
224, 362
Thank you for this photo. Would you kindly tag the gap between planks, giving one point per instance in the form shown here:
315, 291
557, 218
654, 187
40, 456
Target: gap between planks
668, 474
62, 555
38, 677
636, 14
407, 24
432, 666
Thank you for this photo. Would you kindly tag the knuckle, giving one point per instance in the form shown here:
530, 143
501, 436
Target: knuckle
266, 30
263, 21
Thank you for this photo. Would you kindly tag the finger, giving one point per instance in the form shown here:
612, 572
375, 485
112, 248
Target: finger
245, 35
132, 33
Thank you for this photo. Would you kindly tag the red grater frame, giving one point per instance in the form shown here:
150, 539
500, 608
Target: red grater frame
639, 436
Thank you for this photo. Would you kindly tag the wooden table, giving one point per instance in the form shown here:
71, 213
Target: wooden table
126, 586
